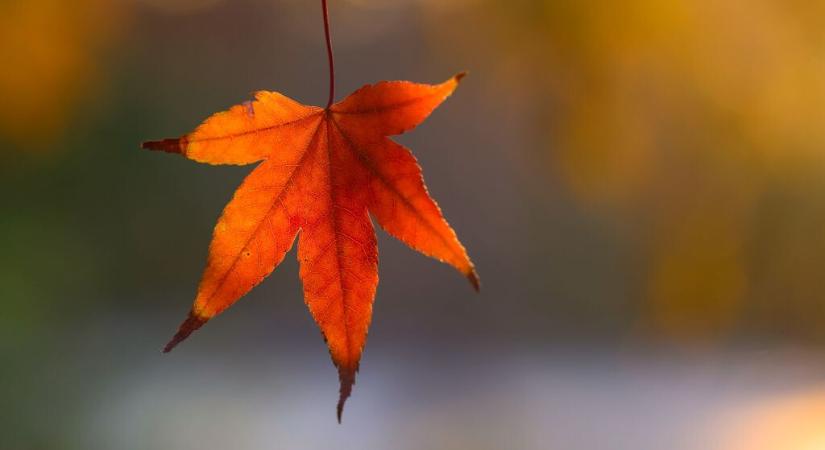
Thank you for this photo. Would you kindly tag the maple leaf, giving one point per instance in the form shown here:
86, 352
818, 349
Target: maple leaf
323, 172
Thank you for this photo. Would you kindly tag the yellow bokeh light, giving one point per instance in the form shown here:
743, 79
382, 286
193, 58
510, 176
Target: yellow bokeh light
52, 50
792, 422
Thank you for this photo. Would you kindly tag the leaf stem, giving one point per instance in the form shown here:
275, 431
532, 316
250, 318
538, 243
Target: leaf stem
329, 54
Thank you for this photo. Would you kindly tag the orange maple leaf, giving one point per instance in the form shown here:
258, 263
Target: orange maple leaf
323, 172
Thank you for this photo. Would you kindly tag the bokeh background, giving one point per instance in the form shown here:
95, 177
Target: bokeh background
640, 183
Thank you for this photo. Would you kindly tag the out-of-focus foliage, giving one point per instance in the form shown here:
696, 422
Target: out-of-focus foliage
51, 51
695, 126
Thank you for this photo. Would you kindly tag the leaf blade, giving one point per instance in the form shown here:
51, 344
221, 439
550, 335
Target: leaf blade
324, 171
389, 108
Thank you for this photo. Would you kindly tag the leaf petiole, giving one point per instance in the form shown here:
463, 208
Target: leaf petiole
329, 54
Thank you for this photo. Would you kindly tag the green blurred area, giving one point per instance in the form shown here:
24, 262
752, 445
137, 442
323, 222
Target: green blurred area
641, 173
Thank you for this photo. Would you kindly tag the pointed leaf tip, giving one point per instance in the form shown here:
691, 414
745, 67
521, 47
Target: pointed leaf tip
192, 323
347, 377
173, 145
474, 280
460, 75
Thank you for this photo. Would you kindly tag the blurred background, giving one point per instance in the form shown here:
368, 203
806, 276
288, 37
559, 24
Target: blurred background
641, 185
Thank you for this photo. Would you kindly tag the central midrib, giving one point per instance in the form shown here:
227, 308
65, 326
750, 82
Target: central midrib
334, 213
